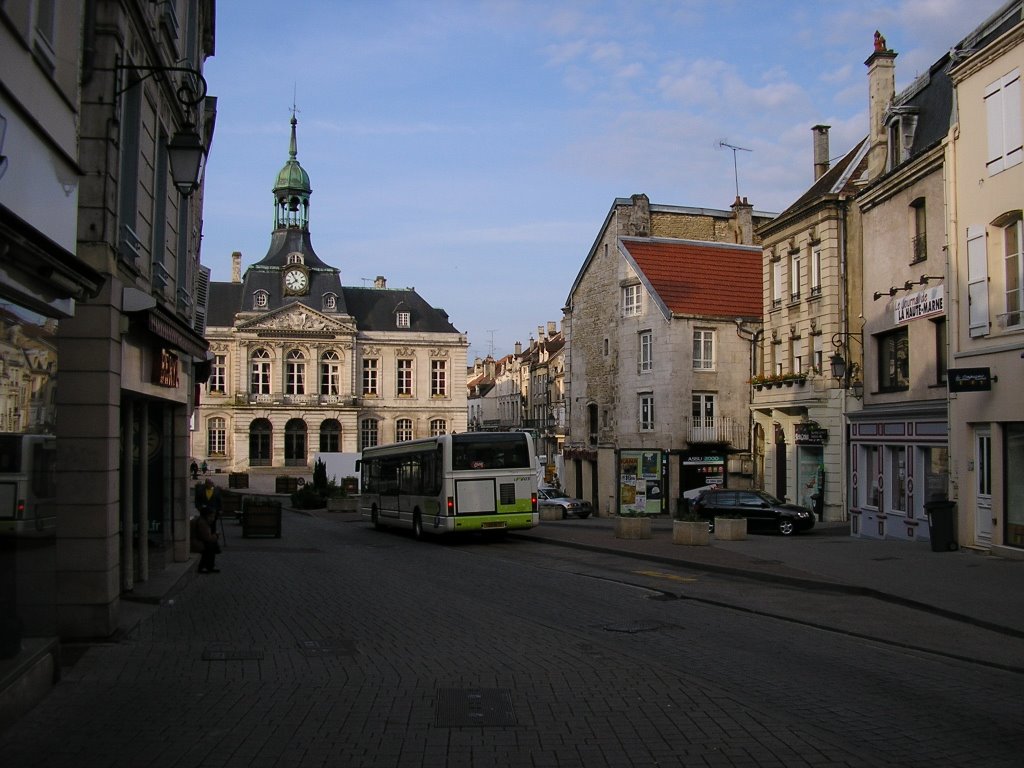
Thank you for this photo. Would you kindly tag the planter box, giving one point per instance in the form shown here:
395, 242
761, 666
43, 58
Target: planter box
694, 533
550, 512
633, 527
262, 518
730, 529
238, 480
343, 504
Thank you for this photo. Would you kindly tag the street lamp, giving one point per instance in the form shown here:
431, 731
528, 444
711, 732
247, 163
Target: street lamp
186, 150
844, 371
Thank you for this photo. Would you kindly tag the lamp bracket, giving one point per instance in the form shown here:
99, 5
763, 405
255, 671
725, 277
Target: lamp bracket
190, 91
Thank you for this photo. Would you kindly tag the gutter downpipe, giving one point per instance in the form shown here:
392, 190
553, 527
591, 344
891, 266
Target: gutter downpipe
844, 326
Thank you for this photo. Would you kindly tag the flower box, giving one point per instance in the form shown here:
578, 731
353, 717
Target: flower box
730, 528
633, 527
692, 532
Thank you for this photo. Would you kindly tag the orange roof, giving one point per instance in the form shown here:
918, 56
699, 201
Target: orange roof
700, 278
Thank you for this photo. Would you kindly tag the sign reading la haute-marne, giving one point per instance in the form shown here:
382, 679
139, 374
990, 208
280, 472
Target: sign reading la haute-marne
926, 303
969, 379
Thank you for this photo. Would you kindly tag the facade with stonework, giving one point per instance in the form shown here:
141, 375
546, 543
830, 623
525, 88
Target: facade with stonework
657, 356
302, 364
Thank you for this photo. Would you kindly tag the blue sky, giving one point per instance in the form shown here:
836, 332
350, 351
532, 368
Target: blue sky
471, 150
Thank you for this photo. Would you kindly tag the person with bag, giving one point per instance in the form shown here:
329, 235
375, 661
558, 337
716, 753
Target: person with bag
205, 538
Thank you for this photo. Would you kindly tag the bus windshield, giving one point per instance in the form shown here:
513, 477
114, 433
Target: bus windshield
482, 451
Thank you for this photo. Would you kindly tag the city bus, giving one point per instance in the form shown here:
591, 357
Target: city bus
472, 481
28, 472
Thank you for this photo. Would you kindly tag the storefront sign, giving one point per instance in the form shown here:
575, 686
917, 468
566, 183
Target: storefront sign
165, 369
926, 303
969, 379
810, 434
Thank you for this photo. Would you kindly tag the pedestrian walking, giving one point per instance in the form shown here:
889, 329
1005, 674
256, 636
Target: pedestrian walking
194, 469
206, 541
205, 467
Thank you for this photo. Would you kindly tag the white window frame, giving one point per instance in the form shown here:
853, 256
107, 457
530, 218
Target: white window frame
438, 427
330, 373
371, 376
646, 412
403, 430
369, 433
1003, 122
777, 283
815, 272
218, 375
438, 378
259, 376
1013, 272
217, 436
632, 300
794, 276
646, 352
404, 377
704, 349
295, 373
403, 319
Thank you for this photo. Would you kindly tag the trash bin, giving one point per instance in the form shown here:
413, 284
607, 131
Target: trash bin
942, 525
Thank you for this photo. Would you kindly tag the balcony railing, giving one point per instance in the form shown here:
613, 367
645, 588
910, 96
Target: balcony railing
720, 431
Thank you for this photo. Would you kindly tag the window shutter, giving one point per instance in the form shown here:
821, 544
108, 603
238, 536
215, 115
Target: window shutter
994, 123
977, 282
1012, 119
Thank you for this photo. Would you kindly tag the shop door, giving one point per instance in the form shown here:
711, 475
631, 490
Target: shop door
983, 487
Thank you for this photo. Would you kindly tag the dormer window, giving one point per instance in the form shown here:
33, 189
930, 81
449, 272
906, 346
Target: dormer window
402, 319
901, 127
260, 299
295, 258
330, 301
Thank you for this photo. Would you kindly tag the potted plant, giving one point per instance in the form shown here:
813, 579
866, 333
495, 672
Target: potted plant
688, 528
630, 524
730, 528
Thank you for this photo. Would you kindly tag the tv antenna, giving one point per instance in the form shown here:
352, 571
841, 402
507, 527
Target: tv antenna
490, 345
735, 169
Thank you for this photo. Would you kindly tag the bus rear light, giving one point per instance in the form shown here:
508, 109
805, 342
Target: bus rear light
451, 506
533, 502
21, 509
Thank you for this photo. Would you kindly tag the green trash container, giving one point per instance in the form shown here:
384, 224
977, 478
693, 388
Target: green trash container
942, 525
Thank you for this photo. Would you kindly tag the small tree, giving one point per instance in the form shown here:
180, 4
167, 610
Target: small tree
320, 475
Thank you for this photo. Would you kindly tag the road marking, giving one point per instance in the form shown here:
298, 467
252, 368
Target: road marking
669, 576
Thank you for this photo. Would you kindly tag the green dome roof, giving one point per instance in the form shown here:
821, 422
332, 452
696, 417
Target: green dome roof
293, 176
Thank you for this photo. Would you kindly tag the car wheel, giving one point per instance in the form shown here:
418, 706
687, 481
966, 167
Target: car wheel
786, 527
583, 515
417, 526
565, 514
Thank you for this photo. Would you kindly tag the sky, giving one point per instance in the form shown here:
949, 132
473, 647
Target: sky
471, 150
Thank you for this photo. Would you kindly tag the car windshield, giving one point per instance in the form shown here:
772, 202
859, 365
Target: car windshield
551, 493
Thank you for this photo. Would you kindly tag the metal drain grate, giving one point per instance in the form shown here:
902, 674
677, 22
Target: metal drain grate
332, 646
222, 652
479, 707
632, 627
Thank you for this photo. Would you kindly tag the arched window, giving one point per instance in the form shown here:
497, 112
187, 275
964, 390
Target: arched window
368, 433
330, 373
260, 443
260, 299
295, 373
259, 380
330, 436
216, 436
438, 427
403, 430
330, 301
295, 443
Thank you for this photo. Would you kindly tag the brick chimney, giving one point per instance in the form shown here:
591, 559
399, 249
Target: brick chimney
743, 221
236, 267
881, 66
821, 161
640, 216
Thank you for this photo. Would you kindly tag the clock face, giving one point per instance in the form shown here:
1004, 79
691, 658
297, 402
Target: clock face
295, 280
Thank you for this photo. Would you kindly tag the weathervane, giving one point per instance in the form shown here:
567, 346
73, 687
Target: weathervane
735, 168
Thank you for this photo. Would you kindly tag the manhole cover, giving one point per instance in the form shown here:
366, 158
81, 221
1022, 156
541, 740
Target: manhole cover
479, 707
219, 652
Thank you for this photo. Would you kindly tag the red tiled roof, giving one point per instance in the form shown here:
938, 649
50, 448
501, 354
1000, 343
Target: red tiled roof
700, 278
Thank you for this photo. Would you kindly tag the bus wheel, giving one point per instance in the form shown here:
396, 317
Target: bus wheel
417, 526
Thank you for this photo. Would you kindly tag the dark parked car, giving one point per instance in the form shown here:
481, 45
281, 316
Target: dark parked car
556, 497
763, 511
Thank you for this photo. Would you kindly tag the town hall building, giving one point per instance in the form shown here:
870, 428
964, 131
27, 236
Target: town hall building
302, 364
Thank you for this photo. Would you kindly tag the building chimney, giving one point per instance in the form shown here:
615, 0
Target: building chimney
743, 221
380, 282
821, 161
236, 267
881, 66
640, 217
519, 348
552, 328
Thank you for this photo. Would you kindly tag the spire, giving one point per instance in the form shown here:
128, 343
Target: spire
292, 190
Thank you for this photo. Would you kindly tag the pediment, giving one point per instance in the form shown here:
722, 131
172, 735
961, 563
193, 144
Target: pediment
296, 320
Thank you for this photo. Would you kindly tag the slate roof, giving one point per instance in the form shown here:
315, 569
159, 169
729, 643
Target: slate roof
374, 310
692, 277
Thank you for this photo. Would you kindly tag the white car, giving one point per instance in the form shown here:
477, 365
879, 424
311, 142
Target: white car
556, 497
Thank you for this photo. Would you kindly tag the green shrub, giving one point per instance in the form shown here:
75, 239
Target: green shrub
308, 497
320, 475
